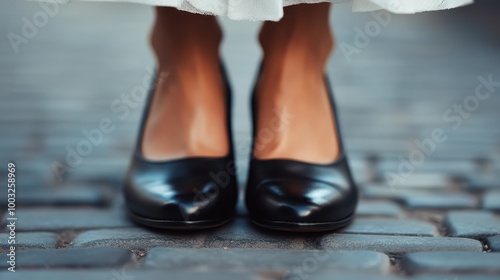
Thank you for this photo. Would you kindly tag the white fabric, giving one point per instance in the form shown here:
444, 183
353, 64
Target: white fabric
273, 9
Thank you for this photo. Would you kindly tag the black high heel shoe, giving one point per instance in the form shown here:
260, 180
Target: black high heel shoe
297, 196
190, 193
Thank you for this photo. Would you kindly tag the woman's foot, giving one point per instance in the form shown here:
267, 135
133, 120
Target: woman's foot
292, 88
186, 120
188, 114
308, 186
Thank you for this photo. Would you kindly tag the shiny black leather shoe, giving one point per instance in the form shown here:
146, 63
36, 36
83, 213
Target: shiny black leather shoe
190, 193
297, 196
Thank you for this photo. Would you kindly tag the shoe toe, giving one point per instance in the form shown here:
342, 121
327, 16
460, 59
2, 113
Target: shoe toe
190, 199
301, 201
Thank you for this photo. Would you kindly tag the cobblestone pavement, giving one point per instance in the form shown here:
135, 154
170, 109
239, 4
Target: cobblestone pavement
428, 172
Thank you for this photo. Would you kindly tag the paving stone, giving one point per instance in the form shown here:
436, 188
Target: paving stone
137, 238
378, 208
350, 276
155, 274
451, 262
267, 260
385, 192
491, 200
474, 224
61, 196
428, 180
123, 274
26, 179
493, 243
241, 209
449, 276
430, 167
242, 234
52, 219
30, 240
440, 201
415, 199
70, 258
485, 182
391, 227
398, 244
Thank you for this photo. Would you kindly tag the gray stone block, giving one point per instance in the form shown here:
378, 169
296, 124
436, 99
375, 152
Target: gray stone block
351, 276
493, 243
491, 200
70, 258
241, 233
291, 262
385, 192
475, 224
241, 209
61, 196
379, 209
30, 240
137, 238
391, 227
122, 274
483, 182
419, 180
451, 276
52, 219
416, 199
429, 174
398, 244
442, 201
444, 262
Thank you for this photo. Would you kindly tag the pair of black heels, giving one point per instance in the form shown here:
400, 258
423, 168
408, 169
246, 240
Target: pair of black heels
202, 192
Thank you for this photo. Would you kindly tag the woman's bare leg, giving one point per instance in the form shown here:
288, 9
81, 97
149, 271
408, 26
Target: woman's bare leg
296, 50
187, 117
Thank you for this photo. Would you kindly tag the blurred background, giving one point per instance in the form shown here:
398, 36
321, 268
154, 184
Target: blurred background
397, 78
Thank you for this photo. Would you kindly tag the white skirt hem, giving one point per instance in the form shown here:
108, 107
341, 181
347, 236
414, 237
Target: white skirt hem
260, 10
